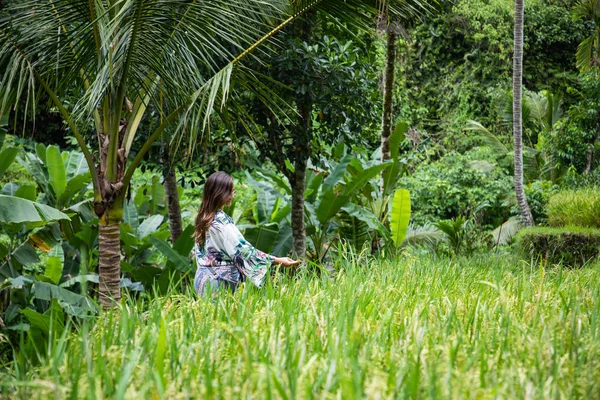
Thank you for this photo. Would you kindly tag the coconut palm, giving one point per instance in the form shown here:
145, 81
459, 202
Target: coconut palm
517, 114
588, 51
103, 63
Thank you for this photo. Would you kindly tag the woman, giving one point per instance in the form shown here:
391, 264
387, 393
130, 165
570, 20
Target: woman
223, 256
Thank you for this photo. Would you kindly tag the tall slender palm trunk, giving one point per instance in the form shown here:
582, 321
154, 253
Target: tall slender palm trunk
388, 86
526, 216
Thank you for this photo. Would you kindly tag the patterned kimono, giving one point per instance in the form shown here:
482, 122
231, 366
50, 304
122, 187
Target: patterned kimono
227, 258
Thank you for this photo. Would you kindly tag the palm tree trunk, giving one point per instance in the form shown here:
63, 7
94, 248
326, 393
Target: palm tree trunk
109, 270
526, 216
388, 86
173, 205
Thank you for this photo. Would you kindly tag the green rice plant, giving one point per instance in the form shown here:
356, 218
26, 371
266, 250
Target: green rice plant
577, 207
572, 246
483, 327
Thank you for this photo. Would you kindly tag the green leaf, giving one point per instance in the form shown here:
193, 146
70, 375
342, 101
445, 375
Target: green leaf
84, 209
331, 202
161, 352
358, 182
7, 156
75, 186
150, 225
337, 174
488, 137
367, 217
284, 244
40, 151
48, 291
46, 237
39, 321
391, 176
289, 165
14, 210
400, 215
25, 255
75, 164
79, 279
10, 189
54, 264
27, 192
265, 204
396, 138
185, 243
56, 170
585, 53
263, 236
182, 263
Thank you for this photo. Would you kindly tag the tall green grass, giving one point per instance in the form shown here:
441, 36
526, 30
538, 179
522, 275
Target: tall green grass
418, 327
575, 208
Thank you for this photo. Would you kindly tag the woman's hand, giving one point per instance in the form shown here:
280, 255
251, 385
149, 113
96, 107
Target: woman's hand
286, 261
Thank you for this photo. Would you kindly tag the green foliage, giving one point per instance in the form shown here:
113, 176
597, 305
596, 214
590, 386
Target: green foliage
62, 177
575, 208
571, 246
458, 184
15, 210
455, 65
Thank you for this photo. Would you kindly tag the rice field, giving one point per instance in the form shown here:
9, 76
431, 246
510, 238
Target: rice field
486, 327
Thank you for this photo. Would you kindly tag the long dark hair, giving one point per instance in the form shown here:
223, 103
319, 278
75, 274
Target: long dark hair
218, 190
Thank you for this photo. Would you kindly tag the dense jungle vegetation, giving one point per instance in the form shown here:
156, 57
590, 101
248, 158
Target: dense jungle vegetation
378, 142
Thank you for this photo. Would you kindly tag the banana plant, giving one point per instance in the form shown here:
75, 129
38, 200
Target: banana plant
328, 200
271, 229
32, 225
63, 177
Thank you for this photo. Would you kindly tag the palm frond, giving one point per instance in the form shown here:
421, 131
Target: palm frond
504, 233
426, 234
488, 137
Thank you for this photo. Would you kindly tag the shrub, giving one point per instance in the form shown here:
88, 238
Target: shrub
579, 208
572, 246
458, 184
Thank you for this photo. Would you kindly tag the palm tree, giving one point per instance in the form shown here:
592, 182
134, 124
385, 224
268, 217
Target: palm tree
517, 114
588, 51
103, 63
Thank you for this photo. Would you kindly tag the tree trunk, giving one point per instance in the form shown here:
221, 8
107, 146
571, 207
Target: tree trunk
388, 86
590, 155
526, 216
173, 206
298, 186
109, 271
302, 141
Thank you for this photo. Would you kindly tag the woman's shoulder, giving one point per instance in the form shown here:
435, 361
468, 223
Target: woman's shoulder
221, 218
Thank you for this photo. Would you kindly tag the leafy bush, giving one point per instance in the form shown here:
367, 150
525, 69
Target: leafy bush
575, 180
579, 208
571, 246
458, 184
